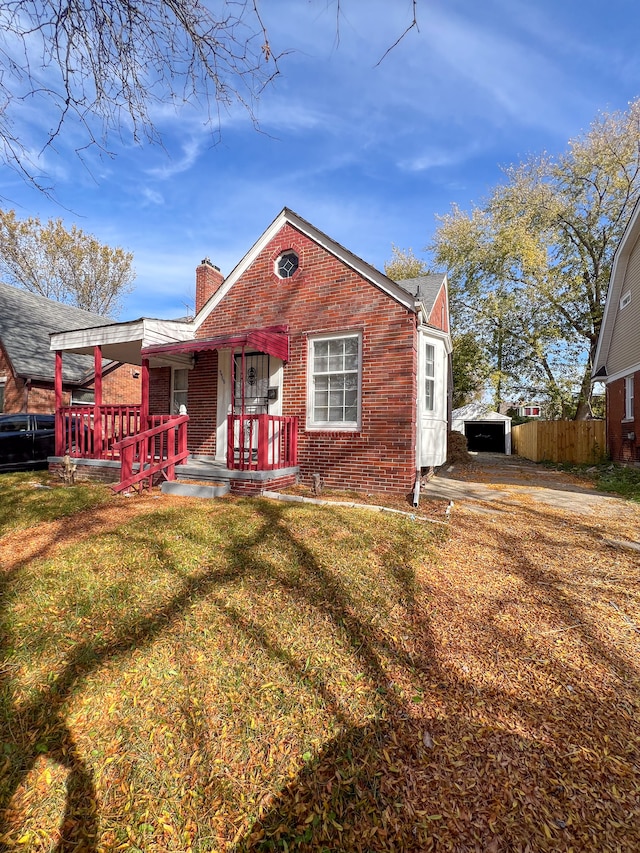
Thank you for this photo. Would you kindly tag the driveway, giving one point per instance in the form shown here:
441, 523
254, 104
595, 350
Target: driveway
493, 481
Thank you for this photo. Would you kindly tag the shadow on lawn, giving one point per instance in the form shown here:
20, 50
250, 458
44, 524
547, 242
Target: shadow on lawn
37, 729
385, 784
443, 776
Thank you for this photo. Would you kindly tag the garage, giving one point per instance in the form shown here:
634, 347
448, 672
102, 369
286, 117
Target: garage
485, 437
486, 431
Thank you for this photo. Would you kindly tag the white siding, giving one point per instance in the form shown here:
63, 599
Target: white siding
432, 424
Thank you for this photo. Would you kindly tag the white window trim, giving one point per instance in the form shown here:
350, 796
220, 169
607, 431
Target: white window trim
173, 389
430, 377
628, 398
625, 299
332, 426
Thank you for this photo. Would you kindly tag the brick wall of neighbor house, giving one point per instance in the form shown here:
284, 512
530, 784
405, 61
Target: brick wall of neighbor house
119, 387
20, 396
122, 386
621, 448
14, 395
159, 390
326, 296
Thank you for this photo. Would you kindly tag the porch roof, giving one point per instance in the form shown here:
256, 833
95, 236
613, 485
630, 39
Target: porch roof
273, 340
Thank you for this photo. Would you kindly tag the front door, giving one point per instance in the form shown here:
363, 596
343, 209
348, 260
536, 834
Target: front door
250, 397
251, 385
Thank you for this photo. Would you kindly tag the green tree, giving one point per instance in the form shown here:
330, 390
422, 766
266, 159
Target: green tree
470, 368
66, 265
529, 269
404, 264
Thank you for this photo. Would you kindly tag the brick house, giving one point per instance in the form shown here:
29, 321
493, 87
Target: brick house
304, 362
27, 365
617, 358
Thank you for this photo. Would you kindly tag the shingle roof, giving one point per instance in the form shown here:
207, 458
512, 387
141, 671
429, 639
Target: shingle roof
25, 323
423, 287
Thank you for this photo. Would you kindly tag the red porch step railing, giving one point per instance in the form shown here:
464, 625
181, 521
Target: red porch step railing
155, 451
94, 432
261, 442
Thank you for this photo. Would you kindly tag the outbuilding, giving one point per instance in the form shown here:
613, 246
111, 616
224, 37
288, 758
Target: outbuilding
486, 431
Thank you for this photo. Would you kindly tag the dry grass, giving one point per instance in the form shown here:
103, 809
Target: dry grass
239, 675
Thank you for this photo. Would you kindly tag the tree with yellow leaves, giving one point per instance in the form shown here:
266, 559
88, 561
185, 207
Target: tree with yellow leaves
529, 269
63, 264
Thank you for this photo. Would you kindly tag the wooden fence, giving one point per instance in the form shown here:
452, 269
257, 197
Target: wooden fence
577, 442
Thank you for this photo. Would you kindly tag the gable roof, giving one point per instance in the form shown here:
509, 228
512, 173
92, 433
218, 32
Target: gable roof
286, 216
477, 411
425, 288
26, 320
616, 282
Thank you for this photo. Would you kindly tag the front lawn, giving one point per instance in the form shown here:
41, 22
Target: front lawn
245, 675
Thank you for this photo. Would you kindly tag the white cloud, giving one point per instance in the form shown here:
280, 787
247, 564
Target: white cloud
190, 152
434, 158
152, 196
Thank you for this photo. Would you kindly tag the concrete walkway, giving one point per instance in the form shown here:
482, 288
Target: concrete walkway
496, 478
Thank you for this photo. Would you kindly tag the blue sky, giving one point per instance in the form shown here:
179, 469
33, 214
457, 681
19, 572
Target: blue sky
368, 153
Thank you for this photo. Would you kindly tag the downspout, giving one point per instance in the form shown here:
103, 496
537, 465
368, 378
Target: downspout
416, 487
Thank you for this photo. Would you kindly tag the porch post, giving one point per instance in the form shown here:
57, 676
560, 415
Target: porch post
97, 369
97, 403
231, 419
59, 423
144, 395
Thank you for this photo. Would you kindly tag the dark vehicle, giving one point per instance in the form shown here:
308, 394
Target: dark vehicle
26, 440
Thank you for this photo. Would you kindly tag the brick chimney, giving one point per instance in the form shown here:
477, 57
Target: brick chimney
208, 280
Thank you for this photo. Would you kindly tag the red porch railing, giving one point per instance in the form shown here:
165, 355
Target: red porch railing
261, 442
93, 432
155, 451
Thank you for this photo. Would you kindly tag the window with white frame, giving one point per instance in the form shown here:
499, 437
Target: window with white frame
430, 373
179, 390
334, 382
625, 300
628, 398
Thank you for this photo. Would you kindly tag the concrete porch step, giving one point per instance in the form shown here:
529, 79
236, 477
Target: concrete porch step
195, 490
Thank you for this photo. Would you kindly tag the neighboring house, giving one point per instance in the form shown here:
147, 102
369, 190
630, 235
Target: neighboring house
27, 365
617, 359
304, 362
522, 410
486, 431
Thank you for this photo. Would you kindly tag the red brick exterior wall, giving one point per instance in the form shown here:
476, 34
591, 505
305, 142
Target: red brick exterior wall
202, 405
439, 316
621, 448
159, 390
257, 487
119, 387
324, 296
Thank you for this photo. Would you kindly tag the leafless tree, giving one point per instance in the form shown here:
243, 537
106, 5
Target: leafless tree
99, 69
105, 66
